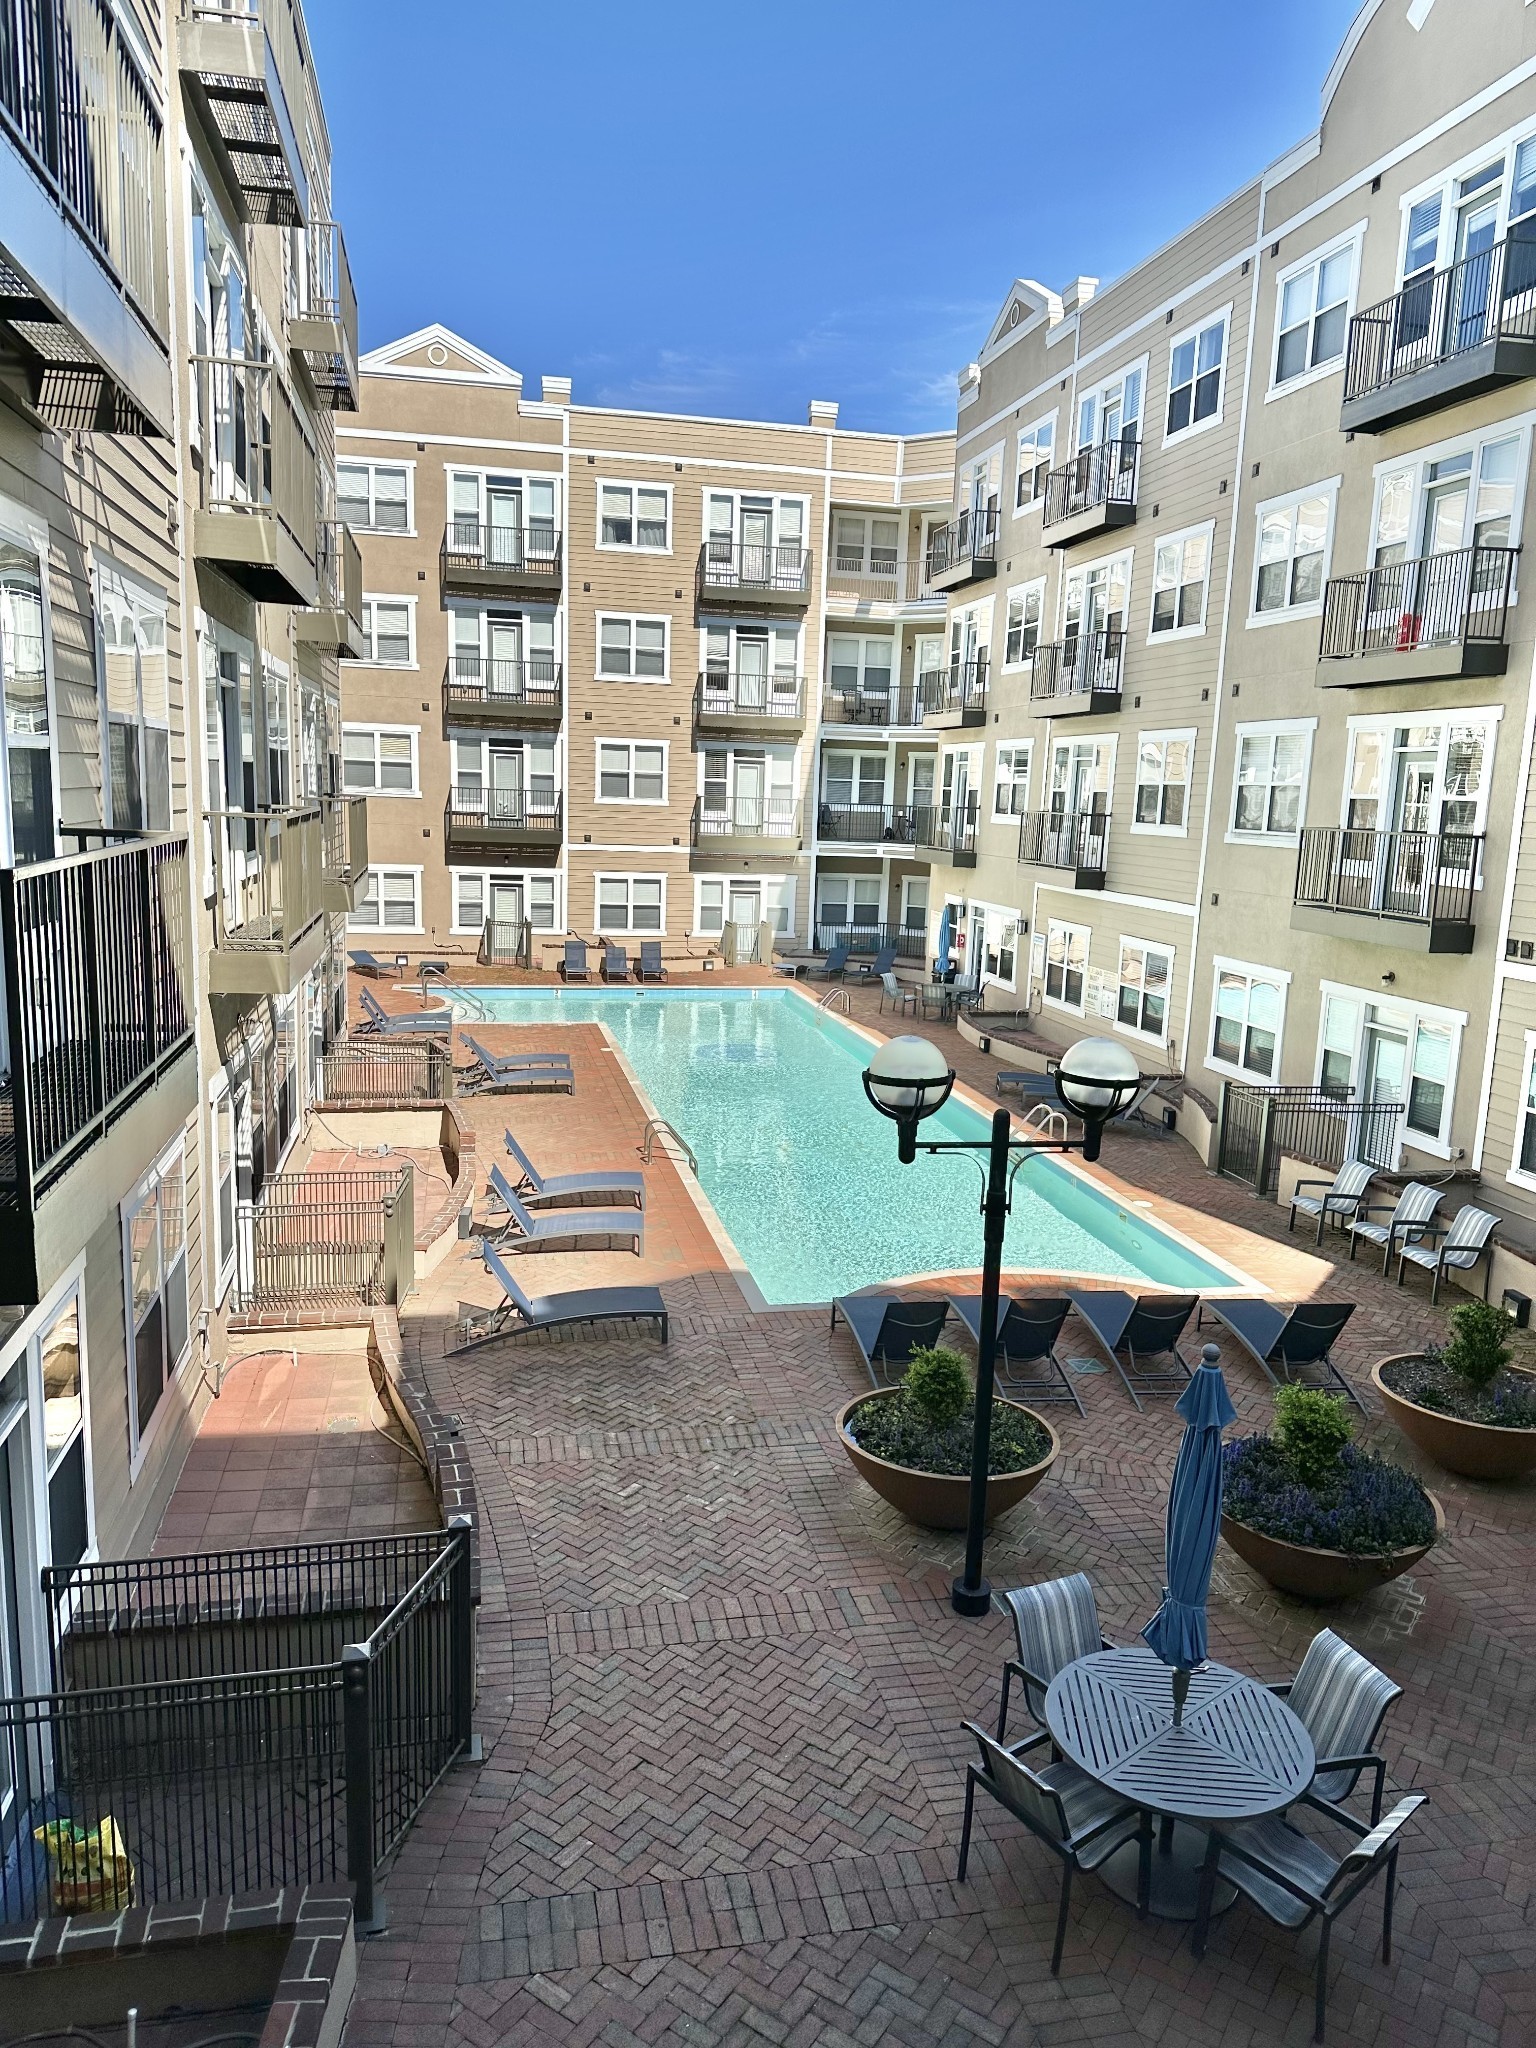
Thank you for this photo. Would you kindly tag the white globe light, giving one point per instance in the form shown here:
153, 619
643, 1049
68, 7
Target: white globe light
1097, 1077
908, 1076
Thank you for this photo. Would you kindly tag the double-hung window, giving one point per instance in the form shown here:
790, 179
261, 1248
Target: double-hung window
379, 760
1163, 765
1269, 789
1066, 964
635, 516
374, 497
389, 632
391, 901
1022, 635
858, 667
1312, 324
631, 772
155, 1276
1181, 567
1249, 1009
632, 649
1461, 496
865, 546
1146, 975
1010, 785
1194, 377
1037, 445
630, 903
137, 691
1292, 553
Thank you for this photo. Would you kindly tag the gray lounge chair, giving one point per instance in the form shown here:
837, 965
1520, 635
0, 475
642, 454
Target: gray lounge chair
833, 968
487, 1077
615, 963
1457, 1249
574, 966
650, 968
1412, 1213
1343, 1196
563, 1230
1283, 1341
883, 963
1027, 1329
1029, 1087
888, 1330
377, 1022
519, 1311
556, 1190
366, 963
515, 1062
1142, 1326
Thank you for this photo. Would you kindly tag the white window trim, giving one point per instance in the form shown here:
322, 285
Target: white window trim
1082, 570
1352, 239
628, 876
358, 726
1487, 715
1444, 183
1009, 914
487, 877
1134, 1030
400, 931
221, 1102
1027, 748
1517, 427
1180, 435
1281, 977
1453, 1021
371, 597
619, 547
1097, 391
1207, 528
1190, 735
1517, 1175
34, 1534
1022, 590
1287, 615
141, 1441
371, 463
785, 883
632, 619
649, 803
1255, 728
1051, 1002
778, 500
1041, 419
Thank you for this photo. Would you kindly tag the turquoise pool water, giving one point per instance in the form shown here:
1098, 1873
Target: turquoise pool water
803, 1173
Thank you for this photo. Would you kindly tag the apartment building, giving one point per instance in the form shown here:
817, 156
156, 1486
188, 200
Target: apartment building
1238, 539
175, 326
633, 676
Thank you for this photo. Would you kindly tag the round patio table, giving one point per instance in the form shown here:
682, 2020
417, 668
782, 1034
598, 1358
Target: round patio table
1238, 1753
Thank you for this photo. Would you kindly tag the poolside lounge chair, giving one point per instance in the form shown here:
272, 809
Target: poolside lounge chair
1343, 1196
554, 1190
1413, 1211
883, 963
377, 1022
1341, 1699
902, 1000
512, 1062
1030, 1087
488, 1076
520, 1311
1027, 1329
574, 966
563, 1230
650, 968
888, 1330
366, 963
615, 963
1056, 1621
1458, 1249
1283, 1341
833, 968
1147, 1325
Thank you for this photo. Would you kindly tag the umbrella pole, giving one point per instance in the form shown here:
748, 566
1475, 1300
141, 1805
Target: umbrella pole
1180, 1695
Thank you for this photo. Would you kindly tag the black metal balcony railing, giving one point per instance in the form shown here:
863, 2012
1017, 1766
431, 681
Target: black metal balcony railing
1444, 600
1104, 475
1419, 877
868, 824
475, 812
861, 704
477, 682
754, 568
944, 828
962, 688
532, 550
323, 312
909, 942
1488, 297
1088, 665
1065, 839
746, 817
749, 697
970, 537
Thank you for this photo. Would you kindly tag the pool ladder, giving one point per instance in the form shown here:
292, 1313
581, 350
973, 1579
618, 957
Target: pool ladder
658, 1127
831, 999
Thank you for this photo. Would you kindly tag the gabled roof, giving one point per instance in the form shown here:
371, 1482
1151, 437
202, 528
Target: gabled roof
1026, 301
436, 351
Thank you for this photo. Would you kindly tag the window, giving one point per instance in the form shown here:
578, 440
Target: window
1146, 973
1425, 776
1469, 212
848, 778
1036, 447
389, 632
631, 772
1010, 787
155, 1272
24, 683
137, 691
769, 531
859, 667
1066, 964
1023, 628
632, 647
1112, 412
630, 903
506, 897
1525, 1122
1270, 788
1180, 569
1392, 1052
223, 1157
379, 760
747, 902
1459, 496
374, 497
1313, 320
865, 546
847, 902
1245, 1032
1163, 764
1293, 543
1194, 377
635, 516
69, 1508
390, 901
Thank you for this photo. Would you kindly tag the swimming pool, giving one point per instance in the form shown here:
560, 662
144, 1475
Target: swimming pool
803, 1173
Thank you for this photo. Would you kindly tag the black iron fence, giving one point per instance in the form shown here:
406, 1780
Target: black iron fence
746, 817
1457, 598
1435, 318
1421, 877
358, 1071
862, 704
1065, 839
506, 942
337, 1238
1088, 665
477, 813
748, 697
885, 824
1258, 1127
1104, 475
470, 548
972, 537
962, 688
475, 683
947, 828
775, 569
910, 942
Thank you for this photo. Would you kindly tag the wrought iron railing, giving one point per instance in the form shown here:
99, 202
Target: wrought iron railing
1102, 475
1087, 665
358, 1071
326, 294
478, 682
1457, 598
1257, 1127
780, 569
344, 821
319, 1238
531, 550
859, 704
943, 828
971, 536
1420, 877
1065, 839
886, 824
475, 812
1445, 314
748, 696
962, 687
506, 942
746, 817
910, 941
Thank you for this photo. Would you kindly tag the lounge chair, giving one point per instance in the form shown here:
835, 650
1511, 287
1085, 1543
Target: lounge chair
563, 1230
1027, 1329
1341, 1699
574, 966
1029, 1087
1056, 1621
615, 963
1282, 1341
1343, 1196
366, 963
488, 1077
513, 1062
520, 1311
1147, 1325
1457, 1250
902, 1000
888, 1330
833, 968
377, 1022
650, 968
883, 963
1413, 1212
554, 1190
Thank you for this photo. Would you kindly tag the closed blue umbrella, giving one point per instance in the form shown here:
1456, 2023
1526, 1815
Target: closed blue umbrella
1177, 1631
944, 931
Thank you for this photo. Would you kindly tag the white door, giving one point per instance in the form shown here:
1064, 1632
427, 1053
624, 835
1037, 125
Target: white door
749, 802
751, 673
1385, 1065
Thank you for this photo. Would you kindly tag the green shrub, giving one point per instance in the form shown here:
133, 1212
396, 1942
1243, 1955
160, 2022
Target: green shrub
1478, 1351
937, 1385
1313, 1428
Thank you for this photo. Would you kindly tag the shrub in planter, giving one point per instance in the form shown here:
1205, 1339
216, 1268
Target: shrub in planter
926, 1423
1467, 1378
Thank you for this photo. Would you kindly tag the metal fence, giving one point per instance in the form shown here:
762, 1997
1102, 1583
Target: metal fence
1418, 877
1258, 1127
1088, 665
1486, 297
865, 824
910, 942
962, 688
337, 1238
1457, 598
507, 942
971, 537
1103, 475
358, 1071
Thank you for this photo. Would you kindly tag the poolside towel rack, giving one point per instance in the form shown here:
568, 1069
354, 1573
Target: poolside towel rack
658, 1127
832, 998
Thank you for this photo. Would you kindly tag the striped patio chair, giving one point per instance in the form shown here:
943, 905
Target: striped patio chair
1408, 1218
1341, 1699
1340, 1197
1455, 1250
1056, 1622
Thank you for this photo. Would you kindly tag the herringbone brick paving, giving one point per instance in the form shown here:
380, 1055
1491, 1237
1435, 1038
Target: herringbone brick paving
721, 1689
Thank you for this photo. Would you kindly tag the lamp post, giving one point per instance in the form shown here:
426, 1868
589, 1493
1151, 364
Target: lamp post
907, 1080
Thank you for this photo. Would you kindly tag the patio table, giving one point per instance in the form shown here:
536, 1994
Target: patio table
1238, 1754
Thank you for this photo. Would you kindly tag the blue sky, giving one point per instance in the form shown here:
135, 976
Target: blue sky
732, 209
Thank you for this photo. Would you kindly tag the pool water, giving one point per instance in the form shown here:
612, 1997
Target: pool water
803, 1173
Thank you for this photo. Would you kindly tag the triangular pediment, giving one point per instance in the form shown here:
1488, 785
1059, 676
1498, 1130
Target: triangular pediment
436, 351
1026, 301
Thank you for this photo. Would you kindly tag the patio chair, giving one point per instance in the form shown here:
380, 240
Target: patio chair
1343, 1196
1027, 1329
902, 1000
377, 1022
366, 963
1142, 1326
1078, 1819
515, 1062
884, 963
1293, 1879
833, 968
487, 1077
650, 968
888, 1330
519, 1311
615, 963
574, 966
1281, 1341
1056, 1622
1412, 1212
552, 1190
967, 994
1341, 1699
566, 1230
1457, 1250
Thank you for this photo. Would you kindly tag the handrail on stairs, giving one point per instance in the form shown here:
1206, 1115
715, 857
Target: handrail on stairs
658, 1127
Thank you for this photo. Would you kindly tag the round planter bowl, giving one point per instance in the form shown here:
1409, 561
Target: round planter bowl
938, 1500
1322, 1574
1477, 1450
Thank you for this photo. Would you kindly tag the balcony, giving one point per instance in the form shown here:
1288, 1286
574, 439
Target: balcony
257, 482
84, 268
1443, 338
752, 579
1416, 891
335, 622
739, 825
882, 828
860, 705
948, 833
346, 852
854, 584
1075, 841
243, 69
269, 908
1434, 619
726, 701
96, 952
1081, 674
501, 561
491, 693
964, 551
908, 941
518, 824
957, 695
322, 326
1092, 493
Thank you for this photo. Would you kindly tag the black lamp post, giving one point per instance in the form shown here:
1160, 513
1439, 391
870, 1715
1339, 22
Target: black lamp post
907, 1080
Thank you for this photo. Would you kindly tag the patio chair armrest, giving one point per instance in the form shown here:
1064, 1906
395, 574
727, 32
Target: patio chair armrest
1281, 1688
1296, 1190
1088, 1836
1355, 1202
1376, 1765
1331, 1811
1012, 1669
1377, 1208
